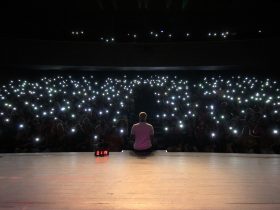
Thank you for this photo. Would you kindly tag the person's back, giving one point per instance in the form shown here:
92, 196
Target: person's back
142, 133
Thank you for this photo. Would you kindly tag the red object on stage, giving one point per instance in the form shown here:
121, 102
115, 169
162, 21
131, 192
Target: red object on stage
101, 153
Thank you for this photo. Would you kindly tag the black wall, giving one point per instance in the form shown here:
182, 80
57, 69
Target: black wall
253, 55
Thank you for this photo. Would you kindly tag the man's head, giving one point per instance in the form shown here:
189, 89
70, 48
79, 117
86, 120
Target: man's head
142, 116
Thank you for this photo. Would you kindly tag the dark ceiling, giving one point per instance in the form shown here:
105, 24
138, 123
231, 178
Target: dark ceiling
55, 20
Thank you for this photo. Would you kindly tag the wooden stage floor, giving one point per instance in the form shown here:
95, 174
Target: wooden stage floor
123, 181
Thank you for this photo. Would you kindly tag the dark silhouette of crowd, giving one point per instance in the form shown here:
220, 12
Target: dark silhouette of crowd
212, 114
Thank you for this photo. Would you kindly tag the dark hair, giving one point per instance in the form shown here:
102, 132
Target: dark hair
142, 116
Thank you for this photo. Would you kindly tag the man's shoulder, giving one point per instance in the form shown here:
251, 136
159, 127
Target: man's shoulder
136, 124
141, 124
149, 124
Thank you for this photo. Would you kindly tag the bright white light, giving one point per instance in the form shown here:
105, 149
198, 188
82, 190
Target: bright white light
73, 130
7, 120
213, 135
37, 139
62, 109
275, 131
235, 131
121, 131
166, 128
21, 126
95, 137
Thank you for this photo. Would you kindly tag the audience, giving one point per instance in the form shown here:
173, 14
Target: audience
212, 114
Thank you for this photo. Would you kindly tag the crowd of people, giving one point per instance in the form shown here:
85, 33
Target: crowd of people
208, 114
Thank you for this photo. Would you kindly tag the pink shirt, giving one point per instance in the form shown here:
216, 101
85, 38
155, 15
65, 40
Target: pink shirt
142, 132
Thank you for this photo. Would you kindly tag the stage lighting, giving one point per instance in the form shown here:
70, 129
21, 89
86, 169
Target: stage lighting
121, 131
235, 131
73, 130
37, 139
7, 120
170, 35
166, 129
21, 126
275, 131
213, 135
62, 109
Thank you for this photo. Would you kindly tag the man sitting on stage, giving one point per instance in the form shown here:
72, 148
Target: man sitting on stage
142, 133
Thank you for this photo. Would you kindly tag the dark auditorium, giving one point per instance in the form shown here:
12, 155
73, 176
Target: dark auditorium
139, 105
